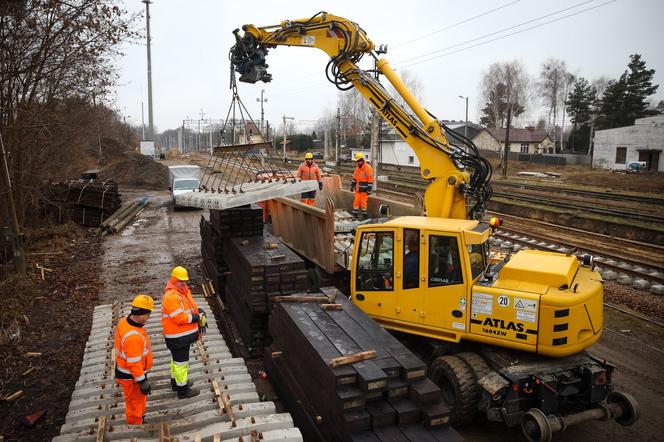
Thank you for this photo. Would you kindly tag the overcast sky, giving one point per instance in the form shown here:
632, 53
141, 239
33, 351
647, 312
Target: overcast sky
191, 39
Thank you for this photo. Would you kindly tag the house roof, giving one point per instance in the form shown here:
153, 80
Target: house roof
455, 140
518, 135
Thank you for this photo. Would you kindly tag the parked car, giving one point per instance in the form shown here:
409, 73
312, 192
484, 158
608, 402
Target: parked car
318, 155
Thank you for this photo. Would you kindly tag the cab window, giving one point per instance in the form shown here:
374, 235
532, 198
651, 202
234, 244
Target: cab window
444, 262
411, 259
478, 254
375, 263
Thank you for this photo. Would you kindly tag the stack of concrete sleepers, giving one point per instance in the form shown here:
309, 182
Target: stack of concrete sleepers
228, 407
386, 397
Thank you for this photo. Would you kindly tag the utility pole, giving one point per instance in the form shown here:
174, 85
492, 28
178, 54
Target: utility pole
336, 141
465, 128
142, 122
16, 234
198, 134
150, 116
262, 100
285, 135
507, 139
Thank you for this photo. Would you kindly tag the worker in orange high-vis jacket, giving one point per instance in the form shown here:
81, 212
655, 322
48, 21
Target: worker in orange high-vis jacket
181, 320
133, 358
361, 184
309, 170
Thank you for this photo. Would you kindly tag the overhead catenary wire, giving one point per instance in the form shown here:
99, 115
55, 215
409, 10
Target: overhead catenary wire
437, 31
500, 31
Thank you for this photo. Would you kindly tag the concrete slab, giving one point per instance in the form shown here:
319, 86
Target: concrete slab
244, 194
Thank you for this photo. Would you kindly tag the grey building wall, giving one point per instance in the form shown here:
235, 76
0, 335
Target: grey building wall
646, 133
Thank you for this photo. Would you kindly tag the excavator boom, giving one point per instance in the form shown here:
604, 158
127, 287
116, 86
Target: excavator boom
459, 178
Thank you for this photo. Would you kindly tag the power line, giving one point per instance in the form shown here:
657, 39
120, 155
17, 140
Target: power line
313, 74
509, 35
498, 32
456, 24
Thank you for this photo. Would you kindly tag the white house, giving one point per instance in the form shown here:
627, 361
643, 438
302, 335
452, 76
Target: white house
644, 141
398, 153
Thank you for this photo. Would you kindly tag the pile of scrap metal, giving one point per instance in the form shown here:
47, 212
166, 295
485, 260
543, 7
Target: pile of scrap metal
88, 202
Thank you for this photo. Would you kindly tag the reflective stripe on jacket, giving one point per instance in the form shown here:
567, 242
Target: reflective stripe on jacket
306, 172
363, 176
133, 354
177, 310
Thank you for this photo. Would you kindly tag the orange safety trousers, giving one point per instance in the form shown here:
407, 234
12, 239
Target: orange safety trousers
135, 401
309, 202
360, 201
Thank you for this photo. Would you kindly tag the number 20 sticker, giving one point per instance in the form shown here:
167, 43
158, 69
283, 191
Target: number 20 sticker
503, 301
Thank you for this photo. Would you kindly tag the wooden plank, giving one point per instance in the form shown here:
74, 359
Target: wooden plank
224, 402
197, 436
202, 351
301, 298
370, 376
414, 368
101, 429
164, 432
292, 328
331, 306
351, 359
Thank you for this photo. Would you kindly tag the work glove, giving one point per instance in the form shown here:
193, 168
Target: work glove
146, 388
202, 322
352, 185
320, 185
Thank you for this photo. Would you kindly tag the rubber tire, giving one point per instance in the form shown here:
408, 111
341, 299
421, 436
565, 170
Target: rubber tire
477, 364
451, 372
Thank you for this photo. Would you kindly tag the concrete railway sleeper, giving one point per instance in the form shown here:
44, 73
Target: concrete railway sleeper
97, 400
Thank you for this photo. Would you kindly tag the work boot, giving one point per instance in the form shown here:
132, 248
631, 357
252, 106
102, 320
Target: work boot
354, 213
174, 385
187, 392
363, 216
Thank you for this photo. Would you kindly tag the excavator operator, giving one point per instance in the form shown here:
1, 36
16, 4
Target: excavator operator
362, 183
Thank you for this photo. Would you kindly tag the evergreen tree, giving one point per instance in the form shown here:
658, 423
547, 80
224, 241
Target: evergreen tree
625, 100
579, 107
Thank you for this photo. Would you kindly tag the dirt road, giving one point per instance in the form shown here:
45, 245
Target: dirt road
141, 257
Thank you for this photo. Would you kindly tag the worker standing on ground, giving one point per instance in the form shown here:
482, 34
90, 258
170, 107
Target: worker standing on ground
361, 185
309, 170
133, 358
181, 320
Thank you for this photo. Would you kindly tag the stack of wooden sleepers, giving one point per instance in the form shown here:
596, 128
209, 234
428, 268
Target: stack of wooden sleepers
261, 268
86, 202
220, 226
385, 396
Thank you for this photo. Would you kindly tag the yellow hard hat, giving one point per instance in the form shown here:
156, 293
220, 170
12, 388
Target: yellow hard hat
359, 156
143, 301
180, 273
308, 156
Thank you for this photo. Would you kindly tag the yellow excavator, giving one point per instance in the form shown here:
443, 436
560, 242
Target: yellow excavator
503, 337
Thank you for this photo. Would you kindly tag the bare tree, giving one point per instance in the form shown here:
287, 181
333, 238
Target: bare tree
56, 70
504, 87
552, 80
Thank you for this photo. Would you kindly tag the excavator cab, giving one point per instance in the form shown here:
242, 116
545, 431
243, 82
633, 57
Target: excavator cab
434, 277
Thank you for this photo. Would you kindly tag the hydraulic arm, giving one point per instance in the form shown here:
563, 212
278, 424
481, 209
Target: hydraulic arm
459, 177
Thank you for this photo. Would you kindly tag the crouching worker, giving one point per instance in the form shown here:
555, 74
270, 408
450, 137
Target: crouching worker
133, 356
